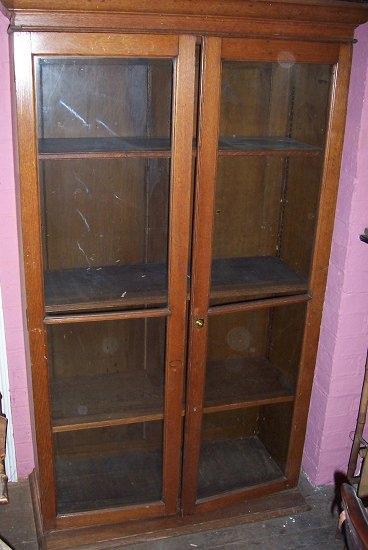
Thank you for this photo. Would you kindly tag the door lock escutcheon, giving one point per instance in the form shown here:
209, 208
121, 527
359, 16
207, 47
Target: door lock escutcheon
199, 323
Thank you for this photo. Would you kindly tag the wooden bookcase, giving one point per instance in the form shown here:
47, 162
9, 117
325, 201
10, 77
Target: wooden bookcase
178, 172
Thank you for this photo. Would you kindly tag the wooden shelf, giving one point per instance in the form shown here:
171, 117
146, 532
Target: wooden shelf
107, 474
238, 383
243, 146
106, 400
124, 287
134, 476
242, 463
105, 288
239, 279
117, 147
120, 399
64, 148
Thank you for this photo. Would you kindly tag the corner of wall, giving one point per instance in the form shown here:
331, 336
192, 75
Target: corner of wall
10, 277
344, 328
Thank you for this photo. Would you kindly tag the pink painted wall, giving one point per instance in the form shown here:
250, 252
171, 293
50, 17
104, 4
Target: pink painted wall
9, 272
344, 329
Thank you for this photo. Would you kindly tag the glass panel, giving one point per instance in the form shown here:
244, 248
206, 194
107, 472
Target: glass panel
107, 370
105, 227
253, 355
251, 376
272, 134
108, 467
104, 129
103, 104
241, 448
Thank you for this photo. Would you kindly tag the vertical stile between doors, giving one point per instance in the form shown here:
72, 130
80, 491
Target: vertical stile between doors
180, 205
201, 262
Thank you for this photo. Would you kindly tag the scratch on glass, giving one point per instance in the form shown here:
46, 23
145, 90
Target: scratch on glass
84, 219
83, 252
74, 113
112, 133
79, 180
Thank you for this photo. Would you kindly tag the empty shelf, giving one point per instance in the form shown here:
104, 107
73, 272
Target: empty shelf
238, 279
237, 146
103, 288
80, 403
58, 148
110, 147
240, 382
131, 286
230, 464
116, 467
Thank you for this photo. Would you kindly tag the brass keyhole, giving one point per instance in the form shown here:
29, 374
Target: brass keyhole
199, 323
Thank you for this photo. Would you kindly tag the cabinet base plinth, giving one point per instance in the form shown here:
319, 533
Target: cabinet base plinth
103, 537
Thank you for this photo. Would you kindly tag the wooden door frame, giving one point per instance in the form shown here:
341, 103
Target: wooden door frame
255, 49
27, 45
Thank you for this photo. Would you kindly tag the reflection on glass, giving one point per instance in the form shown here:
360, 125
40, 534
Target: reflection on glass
107, 467
272, 134
249, 356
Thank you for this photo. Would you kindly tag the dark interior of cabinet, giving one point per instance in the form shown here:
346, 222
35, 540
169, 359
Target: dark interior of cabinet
243, 448
105, 371
267, 204
104, 167
105, 221
107, 395
107, 467
251, 376
113, 372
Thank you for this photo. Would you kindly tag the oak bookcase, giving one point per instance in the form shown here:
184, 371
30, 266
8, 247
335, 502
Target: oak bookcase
178, 172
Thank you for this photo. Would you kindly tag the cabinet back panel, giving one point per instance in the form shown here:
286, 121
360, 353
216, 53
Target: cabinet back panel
245, 98
274, 430
301, 212
248, 193
286, 338
94, 348
95, 212
310, 88
230, 424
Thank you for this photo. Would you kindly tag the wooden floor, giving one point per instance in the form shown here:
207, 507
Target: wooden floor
314, 529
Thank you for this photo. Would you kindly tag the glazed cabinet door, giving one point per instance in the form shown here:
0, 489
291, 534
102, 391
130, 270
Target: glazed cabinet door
105, 137
263, 133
